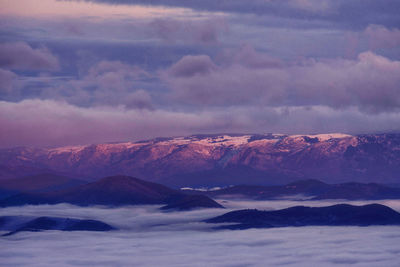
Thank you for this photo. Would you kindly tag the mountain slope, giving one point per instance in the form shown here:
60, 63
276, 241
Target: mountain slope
225, 159
337, 215
16, 224
44, 182
112, 191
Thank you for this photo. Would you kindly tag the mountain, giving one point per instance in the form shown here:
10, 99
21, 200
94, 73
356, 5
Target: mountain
222, 159
16, 224
187, 202
45, 182
337, 215
359, 191
114, 191
310, 189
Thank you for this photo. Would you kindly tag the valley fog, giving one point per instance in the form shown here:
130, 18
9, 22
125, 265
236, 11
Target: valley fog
148, 237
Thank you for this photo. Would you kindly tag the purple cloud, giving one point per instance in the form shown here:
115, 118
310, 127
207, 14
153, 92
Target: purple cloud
341, 13
6, 81
21, 56
204, 31
109, 83
369, 82
382, 37
190, 66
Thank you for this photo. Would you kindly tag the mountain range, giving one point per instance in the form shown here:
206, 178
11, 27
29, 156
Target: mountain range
220, 160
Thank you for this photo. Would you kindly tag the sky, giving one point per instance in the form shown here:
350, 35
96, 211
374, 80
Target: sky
92, 71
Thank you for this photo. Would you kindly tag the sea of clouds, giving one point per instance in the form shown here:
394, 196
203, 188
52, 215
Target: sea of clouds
149, 237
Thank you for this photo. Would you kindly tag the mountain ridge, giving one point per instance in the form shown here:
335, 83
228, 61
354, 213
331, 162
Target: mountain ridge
216, 160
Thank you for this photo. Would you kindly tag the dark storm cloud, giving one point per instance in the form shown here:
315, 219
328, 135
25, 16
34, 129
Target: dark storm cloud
348, 13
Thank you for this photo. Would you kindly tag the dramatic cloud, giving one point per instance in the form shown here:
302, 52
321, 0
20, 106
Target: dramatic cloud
148, 237
370, 82
21, 56
133, 69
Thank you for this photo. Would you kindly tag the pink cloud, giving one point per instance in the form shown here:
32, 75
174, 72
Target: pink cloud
382, 37
52, 123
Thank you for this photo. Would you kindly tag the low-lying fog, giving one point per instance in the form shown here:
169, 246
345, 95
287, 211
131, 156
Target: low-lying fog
149, 237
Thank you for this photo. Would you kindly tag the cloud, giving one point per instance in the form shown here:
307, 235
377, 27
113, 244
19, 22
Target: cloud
6, 81
21, 56
23, 123
68, 124
247, 56
139, 99
342, 13
190, 66
109, 83
369, 82
203, 31
382, 37
149, 237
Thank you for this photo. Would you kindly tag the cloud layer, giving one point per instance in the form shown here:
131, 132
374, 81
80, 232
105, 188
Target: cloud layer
110, 70
149, 237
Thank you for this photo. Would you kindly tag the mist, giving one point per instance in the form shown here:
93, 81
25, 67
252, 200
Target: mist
150, 237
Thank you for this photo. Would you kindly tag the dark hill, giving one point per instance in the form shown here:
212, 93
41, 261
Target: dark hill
337, 215
13, 224
112, 191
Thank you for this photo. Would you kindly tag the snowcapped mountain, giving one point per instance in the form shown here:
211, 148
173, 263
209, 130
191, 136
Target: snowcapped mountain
223, 159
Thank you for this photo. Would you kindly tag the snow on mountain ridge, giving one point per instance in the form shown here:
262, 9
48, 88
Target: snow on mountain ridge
323, 137
217, 140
